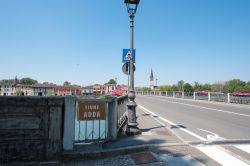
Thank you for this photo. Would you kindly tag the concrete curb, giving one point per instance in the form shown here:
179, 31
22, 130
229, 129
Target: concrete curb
74, 156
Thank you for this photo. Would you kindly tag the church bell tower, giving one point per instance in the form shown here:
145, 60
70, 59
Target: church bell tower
151, 83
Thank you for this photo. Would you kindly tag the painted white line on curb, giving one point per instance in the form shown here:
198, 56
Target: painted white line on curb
214, 152
245, 148
214, 109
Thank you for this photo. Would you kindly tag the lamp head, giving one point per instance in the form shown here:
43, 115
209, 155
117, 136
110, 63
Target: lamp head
136, 2
131, 6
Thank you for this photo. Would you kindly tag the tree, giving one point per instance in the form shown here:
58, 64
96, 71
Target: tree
197, 86
206, 87
5, 81
165, 88
50, 93
188, 87
144, 89
218, 87
174, 88
28, 81
18, 92
66, 83
180, 85
232, 85
111, 81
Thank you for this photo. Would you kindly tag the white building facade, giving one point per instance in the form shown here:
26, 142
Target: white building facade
7, 89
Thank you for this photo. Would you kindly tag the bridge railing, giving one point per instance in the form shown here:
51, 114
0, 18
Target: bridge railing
207, 96
97, 127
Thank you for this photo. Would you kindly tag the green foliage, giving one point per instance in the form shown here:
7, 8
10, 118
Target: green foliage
50, 93
144, 89
28, 81
233, 85
111, 81
18, 92
180, 85
174, 88
66, 83
197, 86
5, 81
206, 87
188, 87
165, 88
104, 97
218, 87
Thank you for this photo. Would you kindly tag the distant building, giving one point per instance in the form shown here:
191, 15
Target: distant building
151, 81
109, 88
99, 89
87, 90
23, 90
67, 90
42, 90
7, 89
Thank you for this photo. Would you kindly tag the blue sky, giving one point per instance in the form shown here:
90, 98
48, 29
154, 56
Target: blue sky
81, 41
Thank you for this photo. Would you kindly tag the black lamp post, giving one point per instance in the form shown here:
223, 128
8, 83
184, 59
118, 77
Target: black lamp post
132, 124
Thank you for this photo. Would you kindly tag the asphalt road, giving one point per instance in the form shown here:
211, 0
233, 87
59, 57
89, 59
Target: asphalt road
227, 125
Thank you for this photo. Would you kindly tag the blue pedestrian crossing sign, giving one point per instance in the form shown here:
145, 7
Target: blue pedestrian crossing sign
126, 54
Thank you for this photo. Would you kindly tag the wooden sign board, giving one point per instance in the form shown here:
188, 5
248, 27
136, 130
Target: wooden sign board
92, 111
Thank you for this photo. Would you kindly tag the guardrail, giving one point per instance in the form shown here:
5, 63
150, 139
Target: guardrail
209, 96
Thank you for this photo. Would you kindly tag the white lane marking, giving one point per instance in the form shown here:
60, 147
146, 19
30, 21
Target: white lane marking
213, 152
220, 156
154, 116
212, 136
173, 124
245, 148
214, 109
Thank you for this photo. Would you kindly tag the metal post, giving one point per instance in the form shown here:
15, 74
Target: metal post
228, 97
209, 96
194, 96
132, 124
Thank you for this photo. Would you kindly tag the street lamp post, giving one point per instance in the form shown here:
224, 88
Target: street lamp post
132, 124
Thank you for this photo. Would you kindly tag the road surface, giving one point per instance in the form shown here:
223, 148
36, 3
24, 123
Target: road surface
220, 130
